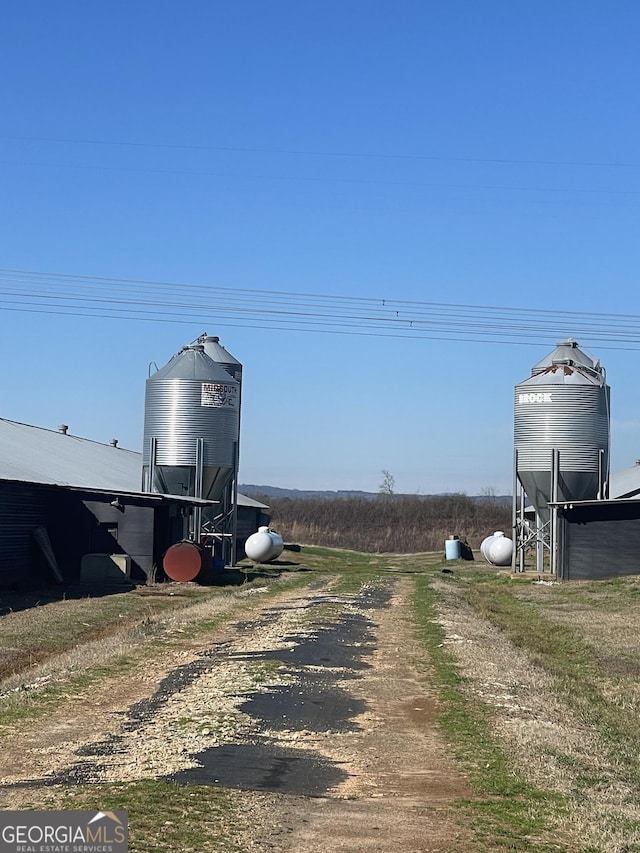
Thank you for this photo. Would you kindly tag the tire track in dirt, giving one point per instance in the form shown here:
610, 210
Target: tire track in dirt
400, 781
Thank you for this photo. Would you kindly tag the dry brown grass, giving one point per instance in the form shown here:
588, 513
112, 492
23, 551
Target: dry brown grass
31, 635
116, 641
553, 747
399, 523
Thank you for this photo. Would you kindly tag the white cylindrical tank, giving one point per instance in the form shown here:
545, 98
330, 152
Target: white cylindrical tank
497, 549
264, 546
484, 546
501, 551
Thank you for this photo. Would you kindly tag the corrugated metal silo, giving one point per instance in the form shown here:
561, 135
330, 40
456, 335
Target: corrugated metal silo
190, 426
563, 407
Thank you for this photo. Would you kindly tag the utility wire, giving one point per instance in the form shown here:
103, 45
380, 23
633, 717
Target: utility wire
109, 284
369, 155
130, 299
431, 185
351, 333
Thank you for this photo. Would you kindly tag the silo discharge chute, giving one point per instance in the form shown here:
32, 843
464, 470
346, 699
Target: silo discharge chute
561, 441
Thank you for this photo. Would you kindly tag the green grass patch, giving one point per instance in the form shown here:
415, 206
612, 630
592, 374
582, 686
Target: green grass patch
28, 704
350, 570
336, 559
162, 815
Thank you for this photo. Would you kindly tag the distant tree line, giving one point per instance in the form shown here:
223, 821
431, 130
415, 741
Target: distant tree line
389, 523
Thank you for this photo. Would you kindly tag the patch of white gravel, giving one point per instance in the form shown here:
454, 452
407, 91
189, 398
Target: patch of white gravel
201, 716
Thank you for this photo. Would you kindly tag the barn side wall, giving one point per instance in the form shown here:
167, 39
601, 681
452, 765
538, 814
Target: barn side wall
601, 541
76, 524
80, 525
23, 507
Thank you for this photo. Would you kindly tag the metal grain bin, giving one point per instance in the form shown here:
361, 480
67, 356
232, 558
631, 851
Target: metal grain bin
190, 426
563, 406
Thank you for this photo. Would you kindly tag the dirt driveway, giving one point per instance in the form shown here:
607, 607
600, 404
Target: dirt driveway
315, 711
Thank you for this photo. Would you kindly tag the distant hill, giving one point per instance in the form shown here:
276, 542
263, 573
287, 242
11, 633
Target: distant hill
276, 492
252, 490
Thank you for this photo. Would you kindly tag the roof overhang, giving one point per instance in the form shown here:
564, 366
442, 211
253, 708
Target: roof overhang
594, 502
145, 498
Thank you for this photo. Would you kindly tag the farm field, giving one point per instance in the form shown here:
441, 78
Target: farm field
333, 701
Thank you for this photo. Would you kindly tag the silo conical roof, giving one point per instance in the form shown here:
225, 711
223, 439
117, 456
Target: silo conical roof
567, 352
214, 349
192, 363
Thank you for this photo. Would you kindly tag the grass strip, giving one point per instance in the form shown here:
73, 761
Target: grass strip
507, 813
350, 570
572, 662
163, 815
151, 641
58, 626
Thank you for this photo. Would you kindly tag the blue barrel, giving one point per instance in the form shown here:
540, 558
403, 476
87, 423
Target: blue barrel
452, 550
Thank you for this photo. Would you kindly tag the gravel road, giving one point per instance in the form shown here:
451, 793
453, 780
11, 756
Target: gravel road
314, 709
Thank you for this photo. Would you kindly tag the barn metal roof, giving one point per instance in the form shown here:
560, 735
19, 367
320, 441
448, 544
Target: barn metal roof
625, 483
243, 500
36, 455
121, 495
32, 454
594, 502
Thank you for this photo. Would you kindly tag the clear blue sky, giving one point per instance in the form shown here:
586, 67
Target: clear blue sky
238, 119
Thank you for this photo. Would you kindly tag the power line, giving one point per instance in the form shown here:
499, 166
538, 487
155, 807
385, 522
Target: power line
369, 155
431, 185
306, 297
180, 302
171, 318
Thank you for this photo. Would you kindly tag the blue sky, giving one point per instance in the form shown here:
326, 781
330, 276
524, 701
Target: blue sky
232, 145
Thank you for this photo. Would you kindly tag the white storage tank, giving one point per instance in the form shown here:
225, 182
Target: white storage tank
264, 546
500, 550
497, 549
484, 545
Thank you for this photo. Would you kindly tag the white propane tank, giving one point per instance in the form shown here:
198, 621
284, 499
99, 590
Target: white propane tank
501, 551
484, 547
264, 546
497, 549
